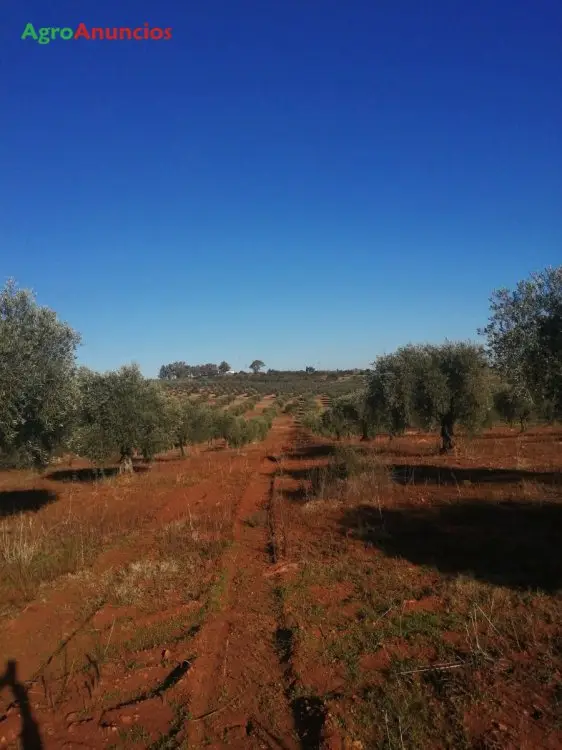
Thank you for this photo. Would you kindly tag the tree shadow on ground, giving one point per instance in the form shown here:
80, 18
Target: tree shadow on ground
551, 437
509, 543
90, 474
316, 450
409, 451
309, 714
528, 436
30, 738
20, 501
427, 474
317, 477
299, 495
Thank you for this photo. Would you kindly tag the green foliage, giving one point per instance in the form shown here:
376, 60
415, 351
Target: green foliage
430, 385
390, 389
235, 433
525, 336
291, 407
269, 414
47, 405
179, 370
453, 384
222, 425
200, 424
257, 365
287, 384
342, 418
313, 421
191, 422
513, 405
244, 406
121, 412
259, 427
224, 400
238, 431
346, 416
37, 390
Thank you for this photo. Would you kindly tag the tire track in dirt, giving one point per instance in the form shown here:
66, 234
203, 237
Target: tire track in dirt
309, 711
238, 687
238, 691
171, 505
256, 699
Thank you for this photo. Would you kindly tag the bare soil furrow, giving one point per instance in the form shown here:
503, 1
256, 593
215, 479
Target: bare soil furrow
237, 679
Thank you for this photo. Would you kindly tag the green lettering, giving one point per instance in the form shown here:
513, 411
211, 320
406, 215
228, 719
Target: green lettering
29, 31
45, 35
54, 32
66, 33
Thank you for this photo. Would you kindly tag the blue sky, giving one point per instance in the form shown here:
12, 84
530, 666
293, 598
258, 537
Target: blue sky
300, 181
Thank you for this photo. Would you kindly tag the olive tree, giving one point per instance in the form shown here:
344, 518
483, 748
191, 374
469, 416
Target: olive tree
120, 413
453, 385
389, 391
348, 415
156, 422
524, 335
242, 431
513, 404
37, 386
358, 410
192, 423
430, 386
236, 434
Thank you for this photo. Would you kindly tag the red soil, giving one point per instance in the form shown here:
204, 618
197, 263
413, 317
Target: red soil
236, 676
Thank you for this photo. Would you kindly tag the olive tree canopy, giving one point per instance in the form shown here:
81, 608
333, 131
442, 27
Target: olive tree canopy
430, 386
121, 412
525, 336
37, 386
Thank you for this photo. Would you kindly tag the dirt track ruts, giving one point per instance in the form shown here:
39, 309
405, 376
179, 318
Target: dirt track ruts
237, 681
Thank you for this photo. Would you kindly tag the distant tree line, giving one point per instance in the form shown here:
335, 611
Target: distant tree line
179, 370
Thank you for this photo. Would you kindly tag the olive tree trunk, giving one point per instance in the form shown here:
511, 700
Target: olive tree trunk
126, 462
447, 433
364, 430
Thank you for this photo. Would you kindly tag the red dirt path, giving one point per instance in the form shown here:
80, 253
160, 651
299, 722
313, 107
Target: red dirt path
234, 673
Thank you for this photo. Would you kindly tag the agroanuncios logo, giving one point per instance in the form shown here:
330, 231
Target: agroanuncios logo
46, 34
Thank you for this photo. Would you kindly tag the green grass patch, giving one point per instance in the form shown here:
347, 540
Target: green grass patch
164, 633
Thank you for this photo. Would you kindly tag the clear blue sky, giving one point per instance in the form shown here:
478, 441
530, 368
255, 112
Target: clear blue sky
302, 181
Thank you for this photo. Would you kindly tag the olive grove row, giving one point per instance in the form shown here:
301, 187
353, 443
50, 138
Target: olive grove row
516, 377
